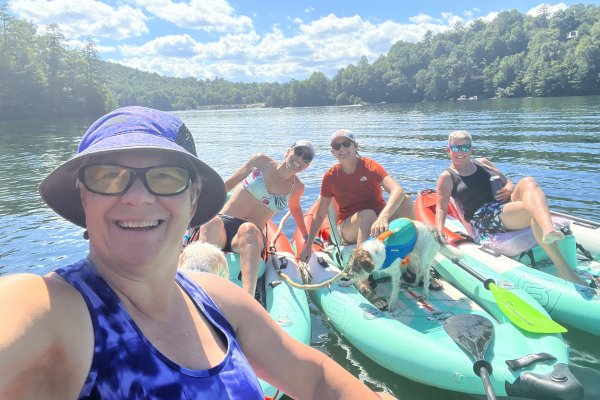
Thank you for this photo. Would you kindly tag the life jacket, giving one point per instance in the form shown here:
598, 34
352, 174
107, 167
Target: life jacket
399, 241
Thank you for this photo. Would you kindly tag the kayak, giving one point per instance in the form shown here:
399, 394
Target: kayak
288, 306
531, 269
416, 339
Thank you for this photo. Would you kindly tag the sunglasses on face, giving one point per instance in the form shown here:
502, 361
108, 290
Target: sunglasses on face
460, 147
114, 179
337, 146
305, 155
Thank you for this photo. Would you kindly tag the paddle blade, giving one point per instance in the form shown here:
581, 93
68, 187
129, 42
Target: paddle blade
523, 314
472, 332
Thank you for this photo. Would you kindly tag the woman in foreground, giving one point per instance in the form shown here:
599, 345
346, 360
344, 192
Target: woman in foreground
122, 323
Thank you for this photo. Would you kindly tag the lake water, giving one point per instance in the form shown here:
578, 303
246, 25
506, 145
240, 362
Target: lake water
555, 140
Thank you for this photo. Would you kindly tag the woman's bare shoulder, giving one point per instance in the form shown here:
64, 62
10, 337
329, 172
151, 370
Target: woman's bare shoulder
39, 289
46, 327
484, 161
260, 160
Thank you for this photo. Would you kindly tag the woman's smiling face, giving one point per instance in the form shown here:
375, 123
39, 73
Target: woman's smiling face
460, 149
137, 228
343, 148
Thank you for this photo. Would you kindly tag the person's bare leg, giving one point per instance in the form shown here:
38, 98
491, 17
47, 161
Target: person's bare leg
563, 268
529, 207
213, 232
536, 205
357, 228
248, 243
405, 210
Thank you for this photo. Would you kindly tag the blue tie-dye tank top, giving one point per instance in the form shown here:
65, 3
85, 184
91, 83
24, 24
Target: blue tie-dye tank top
126, 365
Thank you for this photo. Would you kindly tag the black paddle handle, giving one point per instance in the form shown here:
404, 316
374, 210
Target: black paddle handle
487, 384
486, 281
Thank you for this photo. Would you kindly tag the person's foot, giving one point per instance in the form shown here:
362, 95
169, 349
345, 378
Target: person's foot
553, 236
569, 274
365, 290
377, 301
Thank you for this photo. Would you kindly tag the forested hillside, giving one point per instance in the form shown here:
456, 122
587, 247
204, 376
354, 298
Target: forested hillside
513, 55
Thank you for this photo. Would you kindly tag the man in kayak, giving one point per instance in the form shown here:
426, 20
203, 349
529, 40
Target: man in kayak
511, 207
356, 183
123, 323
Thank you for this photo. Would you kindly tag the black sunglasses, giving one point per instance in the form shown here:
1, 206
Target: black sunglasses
115, 179
307, 157
337, 146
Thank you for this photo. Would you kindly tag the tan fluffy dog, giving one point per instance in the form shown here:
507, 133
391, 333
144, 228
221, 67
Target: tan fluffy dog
204, 257
370, 256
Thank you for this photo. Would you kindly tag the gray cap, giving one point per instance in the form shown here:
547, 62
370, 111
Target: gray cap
345, 133
304, 144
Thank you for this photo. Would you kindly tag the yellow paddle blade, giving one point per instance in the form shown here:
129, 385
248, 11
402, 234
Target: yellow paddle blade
523, 314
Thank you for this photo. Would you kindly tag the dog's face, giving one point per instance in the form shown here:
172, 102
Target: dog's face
365, 259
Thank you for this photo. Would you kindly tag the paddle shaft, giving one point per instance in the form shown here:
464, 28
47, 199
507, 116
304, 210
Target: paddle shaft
487, 384
473, 333
486, 281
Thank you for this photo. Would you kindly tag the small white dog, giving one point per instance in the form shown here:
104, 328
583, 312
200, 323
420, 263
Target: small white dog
371, 254
203, 257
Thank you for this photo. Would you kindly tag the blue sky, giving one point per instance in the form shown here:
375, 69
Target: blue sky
254, 40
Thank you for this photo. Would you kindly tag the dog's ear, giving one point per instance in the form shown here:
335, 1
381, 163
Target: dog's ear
360, 261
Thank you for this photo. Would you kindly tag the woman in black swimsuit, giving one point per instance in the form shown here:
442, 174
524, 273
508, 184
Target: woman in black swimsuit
511, 207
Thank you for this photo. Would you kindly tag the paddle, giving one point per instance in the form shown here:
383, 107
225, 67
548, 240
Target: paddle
518, 311
473, 333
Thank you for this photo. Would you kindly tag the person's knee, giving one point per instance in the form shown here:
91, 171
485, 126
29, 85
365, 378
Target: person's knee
406, 209
367, 216
211, 231
248, 235
528, 182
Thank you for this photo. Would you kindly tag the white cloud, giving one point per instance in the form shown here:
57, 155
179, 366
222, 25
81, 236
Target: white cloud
548, 8
206, 15
324, 45
232, 49
176, 46
451, 19
424, 19
470, 14
82, 18
490, 17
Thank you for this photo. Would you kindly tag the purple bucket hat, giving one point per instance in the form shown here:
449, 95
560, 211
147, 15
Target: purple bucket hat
132, 128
